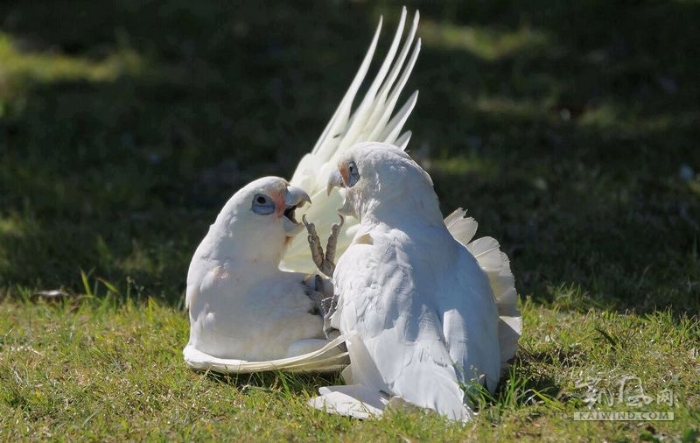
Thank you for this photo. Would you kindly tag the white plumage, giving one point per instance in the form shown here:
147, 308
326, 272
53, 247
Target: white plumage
245, 313
249, 310
416, 305
370, 122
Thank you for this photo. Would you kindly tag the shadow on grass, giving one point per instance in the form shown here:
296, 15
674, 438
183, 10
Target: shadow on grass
125, 126
282, 382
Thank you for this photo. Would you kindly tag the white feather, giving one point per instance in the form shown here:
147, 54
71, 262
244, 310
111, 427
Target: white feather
496, 265
418, 309
248, 317
371, 121
326, 359
245, 313
356, 401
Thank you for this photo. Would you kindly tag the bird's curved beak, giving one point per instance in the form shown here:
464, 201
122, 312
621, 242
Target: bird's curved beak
338, 178
295, 197
334, 179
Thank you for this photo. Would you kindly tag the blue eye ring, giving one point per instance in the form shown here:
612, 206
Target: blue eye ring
353, 174
263, 205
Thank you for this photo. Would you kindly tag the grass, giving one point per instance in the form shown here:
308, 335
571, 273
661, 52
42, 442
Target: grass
569, 131
100, 369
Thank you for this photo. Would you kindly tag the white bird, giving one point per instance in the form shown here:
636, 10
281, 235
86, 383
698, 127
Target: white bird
249, 309
243, 308
424, 315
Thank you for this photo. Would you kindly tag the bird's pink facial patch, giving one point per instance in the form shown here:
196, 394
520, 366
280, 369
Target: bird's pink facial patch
343, 169
278, 198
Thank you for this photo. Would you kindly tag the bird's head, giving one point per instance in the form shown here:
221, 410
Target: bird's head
260, 218
380, 179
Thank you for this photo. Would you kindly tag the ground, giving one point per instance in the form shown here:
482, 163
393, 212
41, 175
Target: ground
570, 131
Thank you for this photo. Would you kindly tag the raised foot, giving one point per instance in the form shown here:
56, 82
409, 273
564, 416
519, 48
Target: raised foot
324, 262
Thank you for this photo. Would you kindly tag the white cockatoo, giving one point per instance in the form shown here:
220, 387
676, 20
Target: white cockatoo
425, 313
249, 307
244, 310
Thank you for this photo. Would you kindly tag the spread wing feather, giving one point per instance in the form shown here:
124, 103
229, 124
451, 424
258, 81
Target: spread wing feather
371, 121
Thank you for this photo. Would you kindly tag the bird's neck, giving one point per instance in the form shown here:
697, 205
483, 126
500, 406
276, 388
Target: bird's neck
406, 222
410, 209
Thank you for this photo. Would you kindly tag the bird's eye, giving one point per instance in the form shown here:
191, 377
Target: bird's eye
263, 205
353, 174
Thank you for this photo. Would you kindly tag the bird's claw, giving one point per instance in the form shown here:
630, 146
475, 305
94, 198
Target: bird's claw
324, 262
314, 243
332, 243
324, 298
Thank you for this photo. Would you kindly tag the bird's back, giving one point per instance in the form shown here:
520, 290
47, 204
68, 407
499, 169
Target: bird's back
421, 305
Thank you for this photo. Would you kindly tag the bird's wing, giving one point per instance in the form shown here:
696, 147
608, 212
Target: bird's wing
371, 121
197, 271
397, 344
496, 265
267, 322
327, 359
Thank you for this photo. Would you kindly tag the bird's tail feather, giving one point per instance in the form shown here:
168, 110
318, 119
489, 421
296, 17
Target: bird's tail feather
496, 264
326, 359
